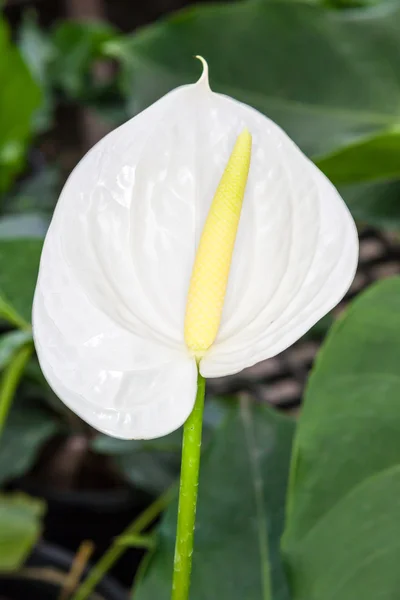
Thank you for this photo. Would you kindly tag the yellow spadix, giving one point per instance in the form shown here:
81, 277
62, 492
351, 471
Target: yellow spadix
212, 263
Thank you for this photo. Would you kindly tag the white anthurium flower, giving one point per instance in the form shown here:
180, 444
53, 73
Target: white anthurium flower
117, 330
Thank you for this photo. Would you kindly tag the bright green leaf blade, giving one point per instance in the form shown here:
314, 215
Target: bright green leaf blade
21, 241
27, 428
349, 432
37, 52
242, 486
20, 526
19, 265
374, 203
354, 551
10, 342
35, 47
372, 159
20, 96
76, 46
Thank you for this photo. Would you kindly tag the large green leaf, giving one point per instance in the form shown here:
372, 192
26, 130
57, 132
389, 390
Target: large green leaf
75, 48
153, 465
19, 264
37, 51
355, 551
20, 526
241, 504
21, 241
373, 158
27, 428
19, 98
374, 203
10, 342
341, 538
327, 77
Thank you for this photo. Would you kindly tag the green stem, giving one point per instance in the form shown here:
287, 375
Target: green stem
114, 552
188, 496
9, 382
135, 540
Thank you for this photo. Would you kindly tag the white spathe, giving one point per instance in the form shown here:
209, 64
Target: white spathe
109, 307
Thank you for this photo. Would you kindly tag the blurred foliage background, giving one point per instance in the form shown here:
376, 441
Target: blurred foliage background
328, 72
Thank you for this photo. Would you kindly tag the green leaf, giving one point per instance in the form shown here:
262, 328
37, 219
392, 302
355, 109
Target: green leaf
340, 541
21, 241
153, 465
35, 46
320, 329
10, 342
150, 470
37, 51
241, 503
27, 428
137, 541
76, 47
328, 78
351, 3
370, 159
355, 551
377, 204
19, 98
19, 265
20, 527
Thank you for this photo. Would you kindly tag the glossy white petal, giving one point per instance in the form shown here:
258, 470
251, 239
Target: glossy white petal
124, 384
126, 219
295, 256
109, 306
110, 303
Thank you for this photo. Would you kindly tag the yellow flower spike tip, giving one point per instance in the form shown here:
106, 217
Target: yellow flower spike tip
213, 259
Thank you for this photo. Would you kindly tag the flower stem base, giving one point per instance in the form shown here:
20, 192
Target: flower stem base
189, 482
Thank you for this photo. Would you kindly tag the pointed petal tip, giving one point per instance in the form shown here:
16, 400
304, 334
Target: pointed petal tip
204, 76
